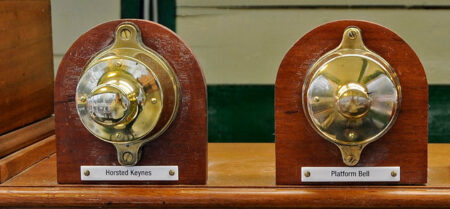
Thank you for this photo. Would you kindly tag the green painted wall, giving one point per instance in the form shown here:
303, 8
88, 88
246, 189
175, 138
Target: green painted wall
241, 113
131, 8
166, 11
439, 113
245, 113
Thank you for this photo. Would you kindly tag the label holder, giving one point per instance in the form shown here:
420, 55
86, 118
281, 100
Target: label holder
350, 174
129, 173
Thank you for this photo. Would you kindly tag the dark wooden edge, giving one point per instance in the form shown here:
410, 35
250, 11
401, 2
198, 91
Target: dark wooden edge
406, 197
17, 162
27, 135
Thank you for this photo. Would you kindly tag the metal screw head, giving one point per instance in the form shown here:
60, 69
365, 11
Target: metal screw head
307, 174
351, 135
171, 172
127, 157
316, 99
393, 174
118, 136
352, 34
83, 99
87, 173
154, 100
125, 34
349, 158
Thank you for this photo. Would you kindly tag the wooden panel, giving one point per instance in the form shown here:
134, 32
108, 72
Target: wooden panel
25, 136
240, 175
141, 197
298, 145
24, 158
183, 144
26, 75
243, 164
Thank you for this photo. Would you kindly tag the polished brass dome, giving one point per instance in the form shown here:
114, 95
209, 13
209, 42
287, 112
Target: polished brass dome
351, 96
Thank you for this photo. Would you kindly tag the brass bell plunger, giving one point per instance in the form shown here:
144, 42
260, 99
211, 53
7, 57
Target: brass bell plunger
351, 96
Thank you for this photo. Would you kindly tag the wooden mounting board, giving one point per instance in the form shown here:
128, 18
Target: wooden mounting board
18, 139
17, 162
241, 175
24, 147
184, 143
26, 73
298, 145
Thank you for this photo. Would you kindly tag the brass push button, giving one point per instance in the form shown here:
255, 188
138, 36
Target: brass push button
351, 96
128, 94
353, 101
115, 100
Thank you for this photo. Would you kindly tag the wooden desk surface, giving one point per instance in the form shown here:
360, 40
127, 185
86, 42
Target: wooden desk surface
240, 175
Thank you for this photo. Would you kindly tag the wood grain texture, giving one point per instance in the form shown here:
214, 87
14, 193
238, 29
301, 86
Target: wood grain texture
26, 57
245, 183
25, 136
297, 144
26, 157
183, 144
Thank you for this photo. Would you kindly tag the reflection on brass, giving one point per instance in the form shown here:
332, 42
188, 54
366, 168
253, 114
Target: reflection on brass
351, 96
128, 94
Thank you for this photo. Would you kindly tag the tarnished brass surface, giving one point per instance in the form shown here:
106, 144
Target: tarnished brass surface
351, 96
127, 92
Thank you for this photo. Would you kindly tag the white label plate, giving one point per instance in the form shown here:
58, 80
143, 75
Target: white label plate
128, 173
350, 174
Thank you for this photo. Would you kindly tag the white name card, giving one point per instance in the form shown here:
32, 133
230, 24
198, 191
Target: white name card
129, 173
350, 174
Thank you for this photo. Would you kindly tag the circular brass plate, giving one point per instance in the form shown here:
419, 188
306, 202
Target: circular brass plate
127, 93
351, 95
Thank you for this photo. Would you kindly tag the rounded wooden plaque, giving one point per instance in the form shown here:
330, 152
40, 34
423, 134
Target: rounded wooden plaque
297, 143
183, 144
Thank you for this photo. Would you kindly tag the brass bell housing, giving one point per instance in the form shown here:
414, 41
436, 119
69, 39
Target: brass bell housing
127, 94
351, 96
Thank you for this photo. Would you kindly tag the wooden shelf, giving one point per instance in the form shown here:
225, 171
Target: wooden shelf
240, 175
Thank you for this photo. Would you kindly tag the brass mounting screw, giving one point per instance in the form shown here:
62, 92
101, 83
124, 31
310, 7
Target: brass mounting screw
118, 136
171, 172
316, 99
83, 99
127, 157
307, 174
351, 135
349, 158
87, 173
125, 34
393, 174
154, 100
352, 34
